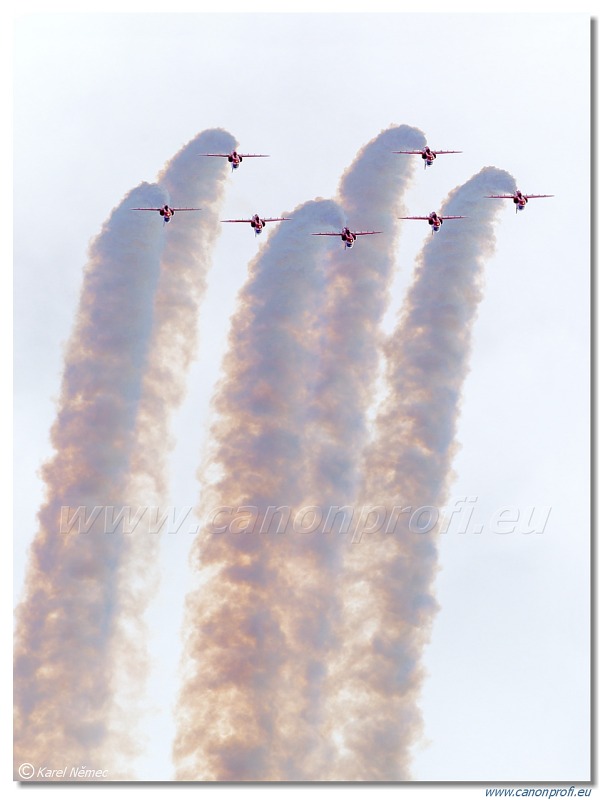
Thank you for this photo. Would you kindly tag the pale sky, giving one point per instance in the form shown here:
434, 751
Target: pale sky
102, 101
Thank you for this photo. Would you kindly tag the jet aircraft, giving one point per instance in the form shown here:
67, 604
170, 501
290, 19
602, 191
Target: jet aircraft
520, 200
435, 220
347, 236
426, 154
235, 158
166, 212
258, 223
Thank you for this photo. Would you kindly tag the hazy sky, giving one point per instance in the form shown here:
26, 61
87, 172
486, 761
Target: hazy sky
102, 101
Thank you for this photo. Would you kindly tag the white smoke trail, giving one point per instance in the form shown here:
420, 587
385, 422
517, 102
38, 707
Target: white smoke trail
185, 263
356, 297
228, 716
190, 181
358, 293
65, 624
389, 574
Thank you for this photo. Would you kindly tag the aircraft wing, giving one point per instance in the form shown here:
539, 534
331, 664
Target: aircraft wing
454, 216
539, 195
420, 152
237, 220
275, 219
356, 233
161, 209
253, 155
501, 196
215, 155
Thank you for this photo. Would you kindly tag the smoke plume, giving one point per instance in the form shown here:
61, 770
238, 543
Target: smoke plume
228, 715
388, 576
65, 624
185, 262
186, 258
356, 296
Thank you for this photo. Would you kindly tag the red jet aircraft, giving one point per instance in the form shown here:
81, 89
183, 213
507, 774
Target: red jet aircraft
347, 236
258, 223
435, 220
520, 200
166, 212
235, 158
426, 154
